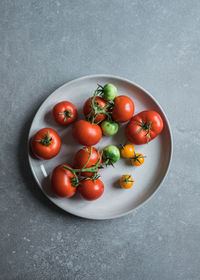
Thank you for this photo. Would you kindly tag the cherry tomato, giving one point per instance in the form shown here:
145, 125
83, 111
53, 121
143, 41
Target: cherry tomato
126, 181
90, 109
109, 128
109, 92
61, 181
123, 109
86, 133
144, 127
64, 112
86, 157
137, 159
127, 151
91, 189
46, 143
111, 154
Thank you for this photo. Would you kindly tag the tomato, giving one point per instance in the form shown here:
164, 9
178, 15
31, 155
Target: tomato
86, 133
46, 143
95, 107
127, 151
61, 182
138, 159
144, 127
64, 112
86, 157
91, 189
126, 181
109, 92
123, 109
109, 127
111, 154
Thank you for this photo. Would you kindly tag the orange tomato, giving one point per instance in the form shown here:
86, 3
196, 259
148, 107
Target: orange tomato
137, 160
126, 181
127, 151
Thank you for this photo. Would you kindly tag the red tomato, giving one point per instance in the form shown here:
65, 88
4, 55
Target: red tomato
61, 183
86, 133
87, 109
64, 112
46, 143
144, 127
123, 109
82, 156
91, 190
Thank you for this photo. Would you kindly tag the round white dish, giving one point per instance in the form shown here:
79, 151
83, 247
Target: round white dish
115, 201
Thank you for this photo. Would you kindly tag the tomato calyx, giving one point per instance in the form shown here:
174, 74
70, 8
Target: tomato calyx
127, 180
96, 109
137, 157
146, 126
121, 146
109, 161
46, 141
67, 114
74, 181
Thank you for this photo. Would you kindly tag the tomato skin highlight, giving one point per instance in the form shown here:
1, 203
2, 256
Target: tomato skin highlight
87, 108
86, 133
82, 156
123, 109
64, 113
91, 189
42, 151
139, 136
61, 182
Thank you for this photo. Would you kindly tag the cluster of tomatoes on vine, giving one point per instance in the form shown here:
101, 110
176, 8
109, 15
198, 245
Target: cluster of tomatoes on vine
103, 112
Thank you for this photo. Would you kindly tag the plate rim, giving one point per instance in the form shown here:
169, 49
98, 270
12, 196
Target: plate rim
170, 137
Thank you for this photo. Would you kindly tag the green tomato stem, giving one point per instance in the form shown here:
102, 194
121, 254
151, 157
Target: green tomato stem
75, 181
127, 180
96, 109
88, 158
67, 114
46, 141
146, 126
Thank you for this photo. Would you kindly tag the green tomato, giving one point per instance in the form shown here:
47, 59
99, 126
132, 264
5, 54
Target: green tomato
109, 128
111, 154
109, 92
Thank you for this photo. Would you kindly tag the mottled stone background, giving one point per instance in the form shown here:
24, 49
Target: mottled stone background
44, 44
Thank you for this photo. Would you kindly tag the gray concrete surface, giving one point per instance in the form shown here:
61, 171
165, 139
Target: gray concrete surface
44, 44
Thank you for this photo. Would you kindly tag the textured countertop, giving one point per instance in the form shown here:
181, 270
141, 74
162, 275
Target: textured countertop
44, 44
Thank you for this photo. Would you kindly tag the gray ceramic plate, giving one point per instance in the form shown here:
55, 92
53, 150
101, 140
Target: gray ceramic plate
115, 201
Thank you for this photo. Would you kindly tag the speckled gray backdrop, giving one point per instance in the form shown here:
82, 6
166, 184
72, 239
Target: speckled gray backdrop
44, 44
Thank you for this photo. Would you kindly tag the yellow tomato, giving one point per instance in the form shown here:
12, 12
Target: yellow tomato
126, 181
137, 160
127, 151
